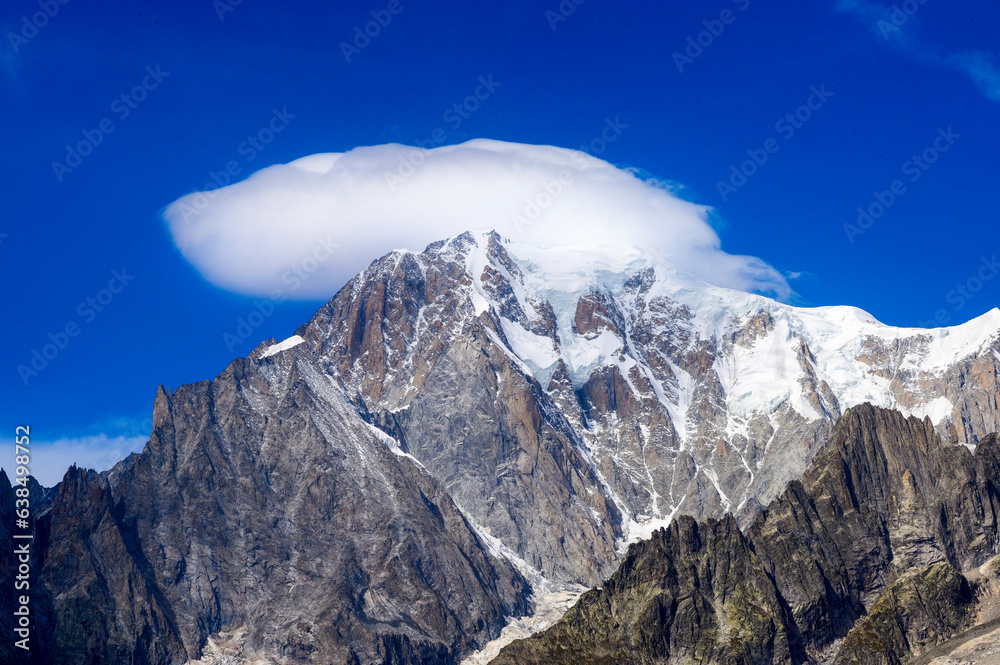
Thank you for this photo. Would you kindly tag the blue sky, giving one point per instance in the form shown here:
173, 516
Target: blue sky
196, 86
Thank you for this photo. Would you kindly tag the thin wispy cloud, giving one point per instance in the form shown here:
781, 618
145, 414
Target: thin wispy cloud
981, 68
898, 29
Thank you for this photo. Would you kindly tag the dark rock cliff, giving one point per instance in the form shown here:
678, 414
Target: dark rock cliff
264, 503
888, 513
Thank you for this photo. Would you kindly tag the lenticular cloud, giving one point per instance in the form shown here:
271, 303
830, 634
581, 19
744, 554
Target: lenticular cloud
304, 228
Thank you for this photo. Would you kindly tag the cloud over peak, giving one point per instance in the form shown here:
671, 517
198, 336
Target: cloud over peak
304, 228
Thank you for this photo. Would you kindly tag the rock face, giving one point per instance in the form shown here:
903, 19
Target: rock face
379, 487
914, 613
692, 593
263, 500
876, 531
572, 401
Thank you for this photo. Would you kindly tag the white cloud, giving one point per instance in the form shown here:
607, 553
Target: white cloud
247, 237
50, 460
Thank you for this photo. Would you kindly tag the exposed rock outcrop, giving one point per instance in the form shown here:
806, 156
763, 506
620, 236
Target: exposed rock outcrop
919, 610
457, 418
868, 545
571, 401
263, 500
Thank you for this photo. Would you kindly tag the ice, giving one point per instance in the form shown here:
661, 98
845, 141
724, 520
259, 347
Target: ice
283, 345
757, 377
536, 351
549, 600
937, 409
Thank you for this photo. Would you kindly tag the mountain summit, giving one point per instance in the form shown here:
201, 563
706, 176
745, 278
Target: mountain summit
455, 429
573, 400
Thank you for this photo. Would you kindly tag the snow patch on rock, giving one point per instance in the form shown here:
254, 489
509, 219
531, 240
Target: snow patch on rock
283, 345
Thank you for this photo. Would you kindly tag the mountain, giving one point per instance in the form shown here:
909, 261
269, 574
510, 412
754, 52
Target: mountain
868, 548
573, 400
456, 430
264, 504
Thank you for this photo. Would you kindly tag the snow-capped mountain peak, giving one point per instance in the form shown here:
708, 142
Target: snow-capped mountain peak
640, 391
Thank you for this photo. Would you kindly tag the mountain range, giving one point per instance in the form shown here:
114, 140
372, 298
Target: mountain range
859, 562
460, 433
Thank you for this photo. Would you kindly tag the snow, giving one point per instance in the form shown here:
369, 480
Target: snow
757, 375
954, 343
548, 608
475, 264
510, 353
714, 478
393, 445
583, 355
643, 526
937, 409
283, 345
773, 366
759, 378
536, 351
779, 363
549, 600
686, 386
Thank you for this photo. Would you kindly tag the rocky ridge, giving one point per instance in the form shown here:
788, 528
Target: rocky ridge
455, 428
866, 549
264, 501
571, 401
